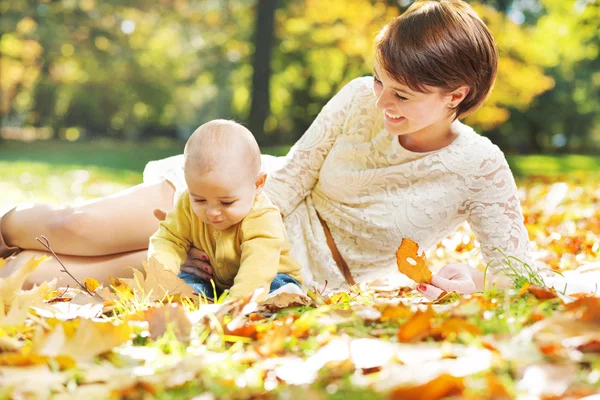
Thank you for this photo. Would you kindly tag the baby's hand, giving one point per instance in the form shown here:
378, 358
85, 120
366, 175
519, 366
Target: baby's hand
197, 263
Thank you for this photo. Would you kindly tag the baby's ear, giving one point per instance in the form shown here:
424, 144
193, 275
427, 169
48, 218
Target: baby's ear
260, 181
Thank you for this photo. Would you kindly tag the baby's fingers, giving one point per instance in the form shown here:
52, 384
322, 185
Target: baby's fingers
198, 272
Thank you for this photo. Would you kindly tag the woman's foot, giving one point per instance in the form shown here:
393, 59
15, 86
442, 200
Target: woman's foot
6, 250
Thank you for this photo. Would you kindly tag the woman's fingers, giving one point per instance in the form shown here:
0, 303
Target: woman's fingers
459, 285
430, 292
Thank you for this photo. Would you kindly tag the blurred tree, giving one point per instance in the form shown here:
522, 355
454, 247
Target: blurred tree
264, 35
565, 40
132, 68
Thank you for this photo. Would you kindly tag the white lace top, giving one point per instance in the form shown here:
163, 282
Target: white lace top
372, 192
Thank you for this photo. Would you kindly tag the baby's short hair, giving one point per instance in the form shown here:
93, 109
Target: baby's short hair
219, 141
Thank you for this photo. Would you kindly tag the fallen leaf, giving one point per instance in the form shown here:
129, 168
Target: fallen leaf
159, 318
91, 284
395, 312
410, 263
444, 385
284, 300
16, 313
417, 327
11, 286
542, 293
158, 282
90, 339
586, 308
455, 326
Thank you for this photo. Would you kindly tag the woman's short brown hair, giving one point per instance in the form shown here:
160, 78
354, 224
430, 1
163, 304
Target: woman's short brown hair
442, 44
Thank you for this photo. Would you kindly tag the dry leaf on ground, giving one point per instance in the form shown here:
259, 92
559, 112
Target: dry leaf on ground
158, 282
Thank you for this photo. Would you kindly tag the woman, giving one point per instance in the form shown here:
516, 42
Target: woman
386, 158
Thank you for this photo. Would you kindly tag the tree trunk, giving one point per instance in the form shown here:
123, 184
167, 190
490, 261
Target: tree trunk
264, 34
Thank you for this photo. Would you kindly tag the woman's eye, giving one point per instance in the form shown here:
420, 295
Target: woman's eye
401, 97
377, 81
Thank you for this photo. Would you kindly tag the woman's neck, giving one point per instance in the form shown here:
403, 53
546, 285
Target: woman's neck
430, 138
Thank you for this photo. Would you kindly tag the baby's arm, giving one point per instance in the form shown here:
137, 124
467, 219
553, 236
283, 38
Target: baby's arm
263, 235
171, 242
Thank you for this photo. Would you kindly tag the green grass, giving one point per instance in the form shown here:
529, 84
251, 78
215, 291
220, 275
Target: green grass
553, 165
133, 156
107, 153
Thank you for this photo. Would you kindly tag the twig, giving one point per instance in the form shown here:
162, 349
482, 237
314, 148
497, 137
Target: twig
46, 243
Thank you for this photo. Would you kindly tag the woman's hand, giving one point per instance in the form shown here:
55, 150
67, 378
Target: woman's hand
197, 263
457, 277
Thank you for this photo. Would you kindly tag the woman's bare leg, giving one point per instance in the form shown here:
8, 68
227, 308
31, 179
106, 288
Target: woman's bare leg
122, 222
100, 268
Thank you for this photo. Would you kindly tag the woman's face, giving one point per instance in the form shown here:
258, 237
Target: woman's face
406, 111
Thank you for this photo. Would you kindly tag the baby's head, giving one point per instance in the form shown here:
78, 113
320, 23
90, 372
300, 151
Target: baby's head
222, 171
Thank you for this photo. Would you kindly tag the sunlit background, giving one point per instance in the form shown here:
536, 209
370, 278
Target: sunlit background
92, 90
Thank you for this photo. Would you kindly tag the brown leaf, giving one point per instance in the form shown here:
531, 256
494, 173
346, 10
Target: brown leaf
284, 300
160, 317
444, 385
410, 263
417, 327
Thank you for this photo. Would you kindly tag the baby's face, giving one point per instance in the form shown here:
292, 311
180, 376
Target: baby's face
222, 197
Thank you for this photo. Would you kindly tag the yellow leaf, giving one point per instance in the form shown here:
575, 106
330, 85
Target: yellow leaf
91, 284
89, 340
410, 263
158, 282
12, 284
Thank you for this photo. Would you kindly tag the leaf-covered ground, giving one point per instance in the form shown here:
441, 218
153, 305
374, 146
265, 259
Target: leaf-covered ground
146, 338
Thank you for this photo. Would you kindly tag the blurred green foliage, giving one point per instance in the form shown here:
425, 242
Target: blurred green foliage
135, 69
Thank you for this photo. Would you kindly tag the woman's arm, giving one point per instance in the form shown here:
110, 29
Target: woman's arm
289, 185
496, 217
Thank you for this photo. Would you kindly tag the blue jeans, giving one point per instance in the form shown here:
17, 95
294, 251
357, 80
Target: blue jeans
204, 287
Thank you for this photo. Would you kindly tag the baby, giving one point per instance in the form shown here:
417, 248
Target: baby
224, 213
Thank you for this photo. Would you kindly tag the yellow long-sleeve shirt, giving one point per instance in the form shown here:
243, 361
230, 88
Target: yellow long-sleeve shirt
244, 257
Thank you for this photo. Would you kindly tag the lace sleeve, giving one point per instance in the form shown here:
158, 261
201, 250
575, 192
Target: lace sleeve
495, 215
290, 184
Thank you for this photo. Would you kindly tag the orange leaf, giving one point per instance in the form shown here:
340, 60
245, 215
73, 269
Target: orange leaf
454, 326
410, 263
417, 327
443, 386
542, 293
394, 312
586, 308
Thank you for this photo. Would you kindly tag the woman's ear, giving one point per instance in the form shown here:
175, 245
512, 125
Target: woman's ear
260, 181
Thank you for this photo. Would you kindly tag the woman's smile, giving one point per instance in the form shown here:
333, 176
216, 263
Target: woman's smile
393, 118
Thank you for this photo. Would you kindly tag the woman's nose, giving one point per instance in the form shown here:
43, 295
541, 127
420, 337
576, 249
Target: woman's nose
382, 101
